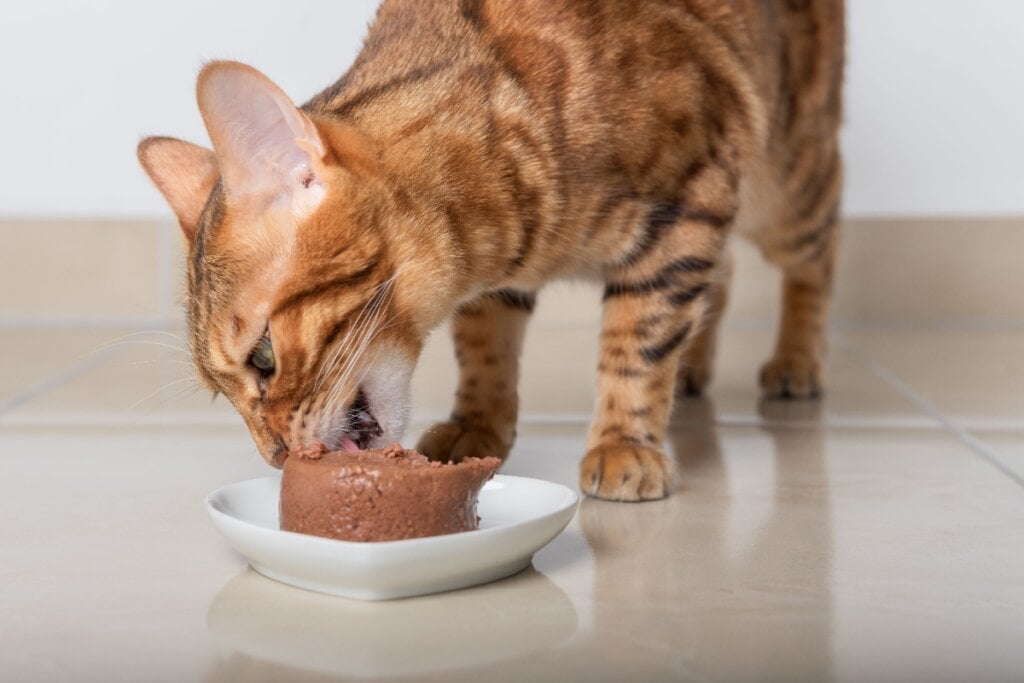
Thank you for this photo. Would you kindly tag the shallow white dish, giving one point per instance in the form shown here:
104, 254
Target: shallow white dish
518, 517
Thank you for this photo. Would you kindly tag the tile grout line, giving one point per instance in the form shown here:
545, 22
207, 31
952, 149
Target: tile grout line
114, 418
956, 324
972, 442
54, 381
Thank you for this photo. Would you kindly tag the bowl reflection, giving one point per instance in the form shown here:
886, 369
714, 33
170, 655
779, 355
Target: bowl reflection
309, 632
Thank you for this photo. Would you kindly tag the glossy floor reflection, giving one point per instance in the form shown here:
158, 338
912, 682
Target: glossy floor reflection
868, 537
263, 621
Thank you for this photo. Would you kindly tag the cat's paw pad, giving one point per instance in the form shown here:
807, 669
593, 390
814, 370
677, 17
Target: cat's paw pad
454, 440
792, 377
625, 472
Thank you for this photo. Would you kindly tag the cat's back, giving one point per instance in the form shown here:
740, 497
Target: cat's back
587, 68
594, 99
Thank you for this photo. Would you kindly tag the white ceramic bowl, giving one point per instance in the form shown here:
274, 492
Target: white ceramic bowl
518, 517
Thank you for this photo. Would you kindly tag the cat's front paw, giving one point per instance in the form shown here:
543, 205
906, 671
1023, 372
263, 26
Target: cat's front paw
625, 472
454, 440
792, 376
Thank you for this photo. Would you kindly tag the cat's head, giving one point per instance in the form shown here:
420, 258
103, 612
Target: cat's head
308, 297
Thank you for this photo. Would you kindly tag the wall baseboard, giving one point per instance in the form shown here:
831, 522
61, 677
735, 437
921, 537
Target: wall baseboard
892, 272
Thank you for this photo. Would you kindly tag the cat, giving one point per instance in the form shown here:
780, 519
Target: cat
475, 151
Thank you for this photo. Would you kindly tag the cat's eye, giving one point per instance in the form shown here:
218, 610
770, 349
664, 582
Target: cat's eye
262, 356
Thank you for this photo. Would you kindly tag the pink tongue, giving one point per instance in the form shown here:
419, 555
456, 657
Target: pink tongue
348, 445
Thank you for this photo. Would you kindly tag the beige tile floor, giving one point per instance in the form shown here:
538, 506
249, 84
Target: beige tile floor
878, 536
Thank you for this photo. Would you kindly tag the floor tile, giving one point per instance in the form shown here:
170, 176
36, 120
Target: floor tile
105, 541
862, 555
122, 377
786, 553
34, 359
1006, 446
853, 396
974, 377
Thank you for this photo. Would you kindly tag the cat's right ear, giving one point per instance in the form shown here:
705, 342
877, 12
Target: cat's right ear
184, 173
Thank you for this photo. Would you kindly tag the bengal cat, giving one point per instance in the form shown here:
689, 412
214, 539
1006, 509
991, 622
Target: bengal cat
477, 150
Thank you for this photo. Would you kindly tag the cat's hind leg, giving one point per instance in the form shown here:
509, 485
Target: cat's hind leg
805, 249
488, 336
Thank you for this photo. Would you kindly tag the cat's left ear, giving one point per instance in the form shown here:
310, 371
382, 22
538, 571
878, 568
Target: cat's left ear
184, 173
266, 147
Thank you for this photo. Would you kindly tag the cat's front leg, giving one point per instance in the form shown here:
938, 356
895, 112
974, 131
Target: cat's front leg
653, 310
488, 336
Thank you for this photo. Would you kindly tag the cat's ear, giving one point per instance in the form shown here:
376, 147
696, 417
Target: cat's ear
266, 147
184, 173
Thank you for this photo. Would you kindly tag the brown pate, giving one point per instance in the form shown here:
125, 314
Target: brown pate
385, 494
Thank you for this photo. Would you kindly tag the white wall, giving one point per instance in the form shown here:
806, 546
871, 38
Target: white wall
935, 95
935, 107
83, 81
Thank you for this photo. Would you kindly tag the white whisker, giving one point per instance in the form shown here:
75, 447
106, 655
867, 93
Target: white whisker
365, 321
138, 342
362, 343
330, 404
161, 389
180, 395
164, 333
329, 364
187, 392
163, 360
356, 328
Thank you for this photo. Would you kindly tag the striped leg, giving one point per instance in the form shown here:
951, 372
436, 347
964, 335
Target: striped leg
653, 306
488, 335
806, 253
796, 368
695, 364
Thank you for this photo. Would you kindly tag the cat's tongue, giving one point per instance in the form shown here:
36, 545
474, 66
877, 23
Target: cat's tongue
347, 445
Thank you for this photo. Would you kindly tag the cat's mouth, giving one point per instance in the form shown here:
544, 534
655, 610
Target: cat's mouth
361, 426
